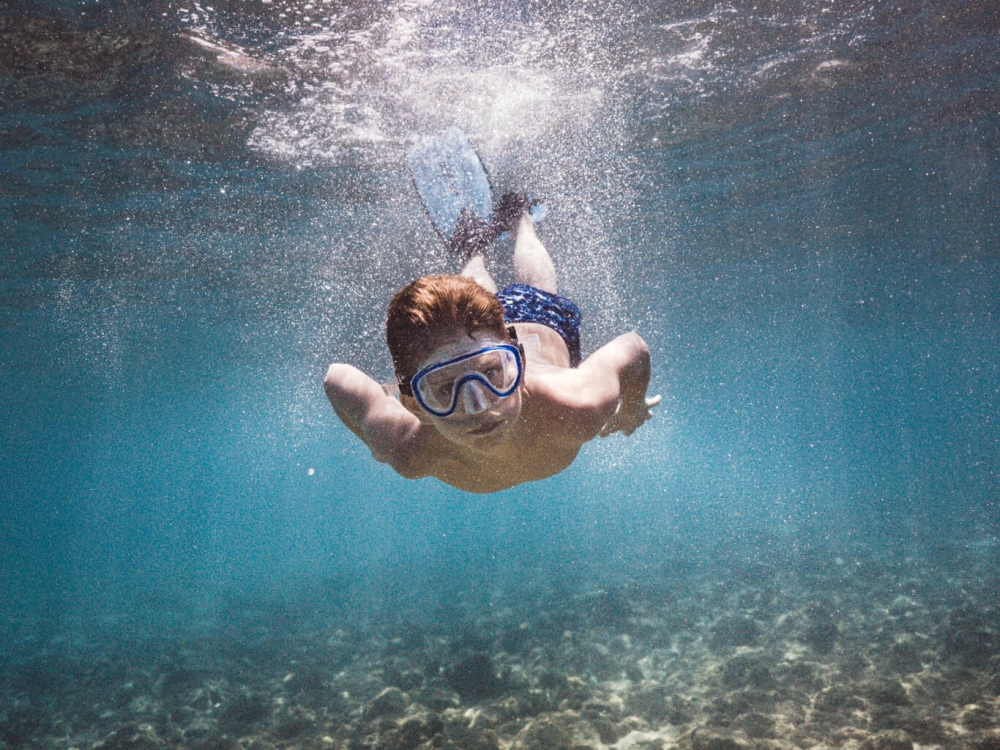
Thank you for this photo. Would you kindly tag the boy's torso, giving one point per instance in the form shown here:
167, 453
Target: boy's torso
544, 441
534, 450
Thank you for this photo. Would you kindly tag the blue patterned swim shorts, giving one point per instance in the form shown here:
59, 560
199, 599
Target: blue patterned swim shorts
526, 304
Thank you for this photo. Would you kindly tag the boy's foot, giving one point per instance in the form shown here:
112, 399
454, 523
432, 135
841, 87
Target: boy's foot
508, 212
471, 236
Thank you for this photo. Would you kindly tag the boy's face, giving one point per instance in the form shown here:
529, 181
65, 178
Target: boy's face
485, 429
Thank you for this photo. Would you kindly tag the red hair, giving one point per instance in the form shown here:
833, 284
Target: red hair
433, 305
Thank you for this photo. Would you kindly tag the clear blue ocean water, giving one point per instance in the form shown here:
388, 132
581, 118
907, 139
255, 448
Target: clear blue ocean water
203, 205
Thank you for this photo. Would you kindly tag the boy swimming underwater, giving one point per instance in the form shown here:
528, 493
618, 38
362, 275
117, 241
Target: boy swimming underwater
492, 389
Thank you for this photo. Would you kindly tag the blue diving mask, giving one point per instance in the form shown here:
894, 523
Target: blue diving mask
475, 381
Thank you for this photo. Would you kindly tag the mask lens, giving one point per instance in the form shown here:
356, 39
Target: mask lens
494, 370
496, 366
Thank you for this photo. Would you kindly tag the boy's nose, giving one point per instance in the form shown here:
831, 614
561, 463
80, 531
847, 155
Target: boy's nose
475, 399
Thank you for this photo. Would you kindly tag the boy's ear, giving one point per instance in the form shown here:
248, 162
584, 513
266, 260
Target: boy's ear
411, 405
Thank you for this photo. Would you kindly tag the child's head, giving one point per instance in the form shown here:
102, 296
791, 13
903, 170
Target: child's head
426, 312
441, 317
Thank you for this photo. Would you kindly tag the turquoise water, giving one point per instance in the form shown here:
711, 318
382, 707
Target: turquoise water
795, 204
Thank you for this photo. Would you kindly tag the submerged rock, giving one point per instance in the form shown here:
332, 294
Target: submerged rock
989, 742
893, 739
463, 738
390, 703
756, 725
976, 716
241, 713
927, 730
132, 737
733, 631
19, 726
821, 636
412, 731
437, 695
887, 693
524, 704
650, 703
516, 640
725, 708
610, 609
607, 731
699, 739
969, 639
178, 680
838, 699
309, 687
544, 734
474, 677
904, 658
291, 727
746, 671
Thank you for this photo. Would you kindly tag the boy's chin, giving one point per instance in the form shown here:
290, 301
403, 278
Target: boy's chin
482, 440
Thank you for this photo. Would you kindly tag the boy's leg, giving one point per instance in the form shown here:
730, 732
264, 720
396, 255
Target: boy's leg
475, 269
532, 264
469, 241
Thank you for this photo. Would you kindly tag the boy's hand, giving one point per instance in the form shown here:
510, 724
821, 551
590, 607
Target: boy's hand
630, 417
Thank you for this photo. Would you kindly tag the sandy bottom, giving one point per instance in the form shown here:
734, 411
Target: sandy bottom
818, 646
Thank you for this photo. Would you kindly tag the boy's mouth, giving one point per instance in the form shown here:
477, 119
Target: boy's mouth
485, 429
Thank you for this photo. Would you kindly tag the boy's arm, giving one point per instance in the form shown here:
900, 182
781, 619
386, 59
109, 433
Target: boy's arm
617, 375
385, 426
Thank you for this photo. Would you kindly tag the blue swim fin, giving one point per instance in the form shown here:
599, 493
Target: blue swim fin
456, 191
450, 178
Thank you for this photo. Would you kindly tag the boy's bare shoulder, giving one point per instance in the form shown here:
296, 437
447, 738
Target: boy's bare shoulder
403, 441
569, 401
